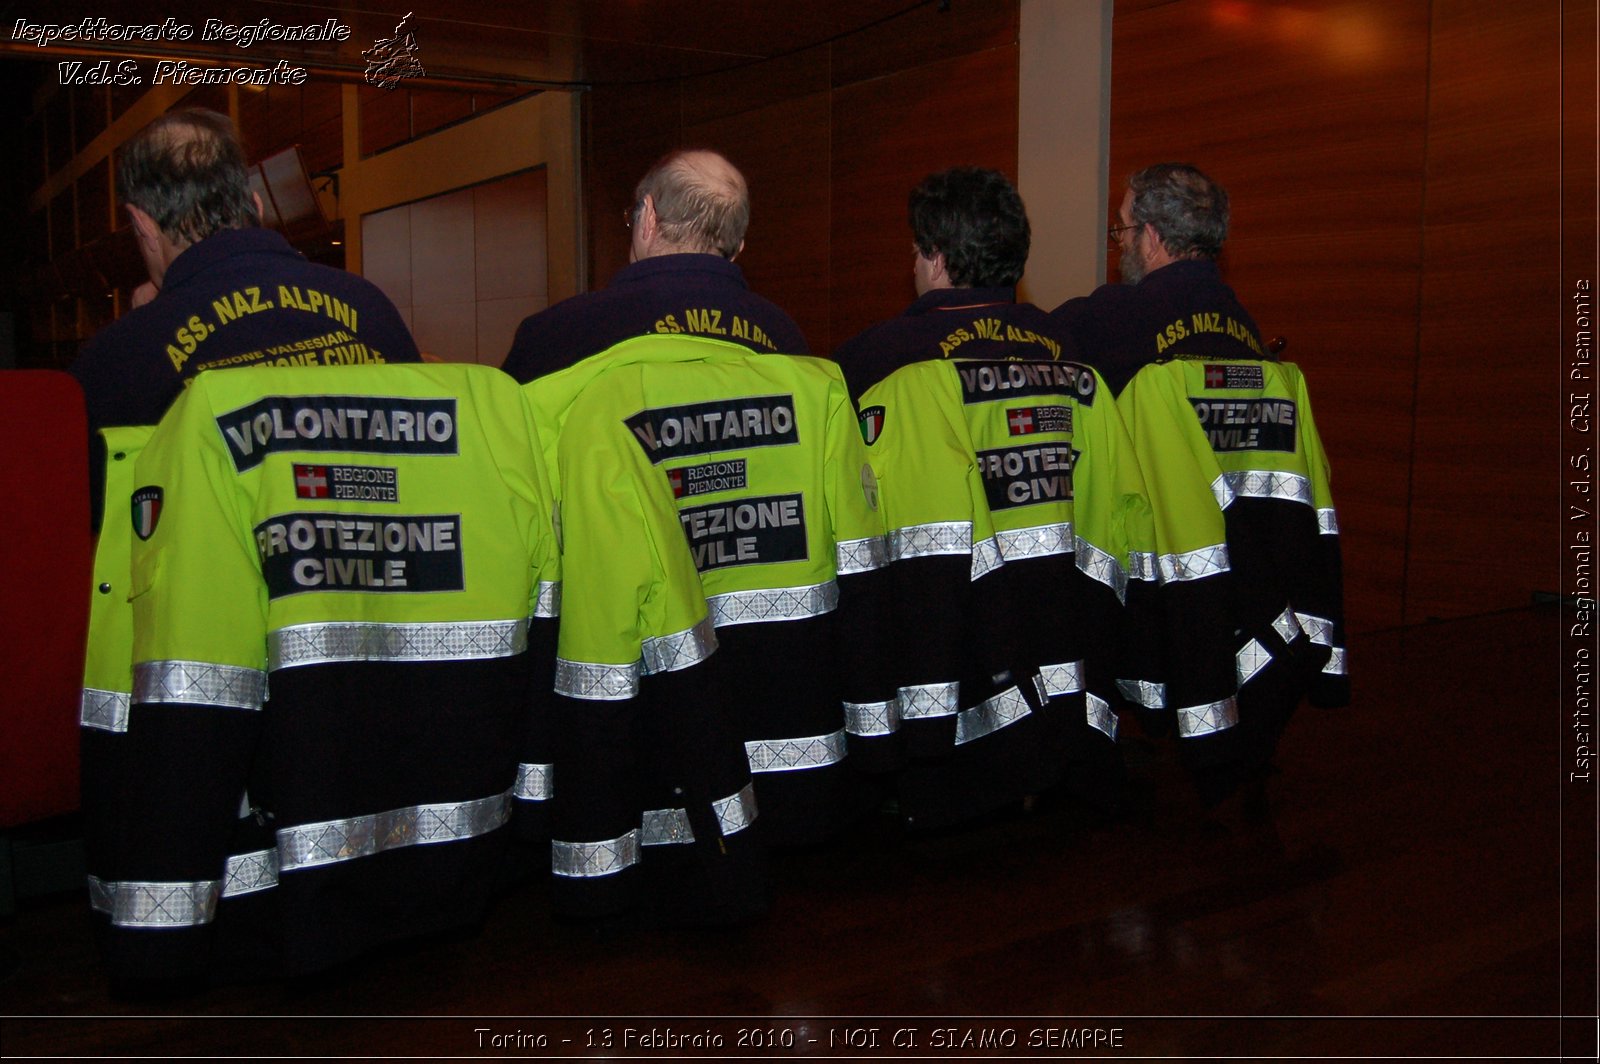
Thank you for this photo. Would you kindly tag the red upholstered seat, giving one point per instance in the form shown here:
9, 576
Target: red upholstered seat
44, 609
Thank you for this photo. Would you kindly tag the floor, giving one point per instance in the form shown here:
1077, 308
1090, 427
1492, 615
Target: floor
1405, 898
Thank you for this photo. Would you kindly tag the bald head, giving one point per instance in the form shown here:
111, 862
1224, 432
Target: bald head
691, 201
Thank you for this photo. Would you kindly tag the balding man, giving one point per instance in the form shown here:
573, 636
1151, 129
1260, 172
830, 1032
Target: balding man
1172, 301
688, 221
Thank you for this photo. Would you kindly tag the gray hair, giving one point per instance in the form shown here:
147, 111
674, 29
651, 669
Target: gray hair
697, 207
1187, 208
186, 170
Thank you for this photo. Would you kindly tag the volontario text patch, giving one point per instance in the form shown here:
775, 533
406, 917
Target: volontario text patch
1022, 476
704, 428
359, 552
1233, 375
1248, 424
983, 382
360, 423
347, 483
771, 528
712, 476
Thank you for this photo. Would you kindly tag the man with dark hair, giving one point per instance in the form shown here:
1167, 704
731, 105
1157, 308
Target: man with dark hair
223, 291
1172, 301
970, 243
687, 221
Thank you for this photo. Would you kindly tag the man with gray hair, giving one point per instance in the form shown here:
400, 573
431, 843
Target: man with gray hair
223, 291
1172, 301
687, 226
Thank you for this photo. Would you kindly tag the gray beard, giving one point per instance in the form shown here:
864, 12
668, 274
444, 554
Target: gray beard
1132, 266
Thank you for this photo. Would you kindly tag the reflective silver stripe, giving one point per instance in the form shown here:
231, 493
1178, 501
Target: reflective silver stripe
533, 782
1101, 718
1327, 522
1142, 566
1222, 491
872, 718
156, 905
1251, 659
1195, 721
102, 895
991, 715
602, 683
774, 604
199, 683
311, 845
244, 873
1261, 484
1039, 542
1287, 625
737, 811
1320, 629
1336, 663
247, 873
665, 827
1064, 679
669, 653
106, 710
918, 541
548, 604
1194, 564
860, 555
670, 827
788, 755
583, 860
985, 557
1101, 567
322, 643
1146, 693
929, 700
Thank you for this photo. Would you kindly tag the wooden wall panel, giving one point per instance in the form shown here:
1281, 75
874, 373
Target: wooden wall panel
432, 109
625, 130
752, 88
1484, 506
831, 140
926, 35
95, 209
888, 133
385, 118
1314, 118
782, 149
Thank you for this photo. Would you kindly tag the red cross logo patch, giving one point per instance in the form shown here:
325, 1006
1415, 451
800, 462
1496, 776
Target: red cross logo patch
676, 477
311, 482
1021, 421
1216, 377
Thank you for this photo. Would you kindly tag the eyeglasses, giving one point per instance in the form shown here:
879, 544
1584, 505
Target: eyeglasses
1114, 234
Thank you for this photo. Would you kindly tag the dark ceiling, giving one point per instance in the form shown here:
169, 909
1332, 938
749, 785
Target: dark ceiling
528, 43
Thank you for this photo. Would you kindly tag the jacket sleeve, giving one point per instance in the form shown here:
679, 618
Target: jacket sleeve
1318, 594
941, 542
643, 753
1189, 570
871, 706
108, 661
199, 684
1113, 525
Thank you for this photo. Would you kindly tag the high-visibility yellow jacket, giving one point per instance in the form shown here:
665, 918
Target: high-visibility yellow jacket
334, 575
